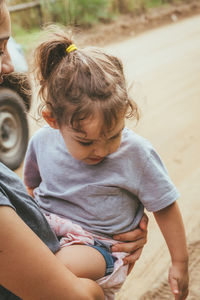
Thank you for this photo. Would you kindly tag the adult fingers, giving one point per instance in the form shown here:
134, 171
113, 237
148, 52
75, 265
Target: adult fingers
131, 236
144, 222
130, 268
129, 247
132, 258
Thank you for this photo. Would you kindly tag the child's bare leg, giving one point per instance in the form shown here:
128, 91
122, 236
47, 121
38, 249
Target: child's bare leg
84, 261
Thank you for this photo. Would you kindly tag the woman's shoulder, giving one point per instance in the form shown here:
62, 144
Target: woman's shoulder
8, 178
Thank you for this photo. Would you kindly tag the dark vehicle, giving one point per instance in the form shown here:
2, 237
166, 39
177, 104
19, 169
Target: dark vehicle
15, 101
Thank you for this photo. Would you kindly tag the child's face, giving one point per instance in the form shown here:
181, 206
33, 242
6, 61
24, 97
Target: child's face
92, 146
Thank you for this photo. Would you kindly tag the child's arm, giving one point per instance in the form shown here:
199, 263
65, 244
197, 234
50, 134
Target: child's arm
170, 222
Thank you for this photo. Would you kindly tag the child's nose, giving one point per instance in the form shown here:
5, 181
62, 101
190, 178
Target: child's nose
101, 149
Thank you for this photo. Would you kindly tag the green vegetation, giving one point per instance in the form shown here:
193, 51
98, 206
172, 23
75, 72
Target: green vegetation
154, 3
25, 37
83, 13
76, 12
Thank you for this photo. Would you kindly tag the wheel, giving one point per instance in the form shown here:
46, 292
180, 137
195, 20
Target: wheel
13, 128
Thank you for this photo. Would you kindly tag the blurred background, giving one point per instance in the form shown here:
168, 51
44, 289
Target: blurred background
163, 66
28, 16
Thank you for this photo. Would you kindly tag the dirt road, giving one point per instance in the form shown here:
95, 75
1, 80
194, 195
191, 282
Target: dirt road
165, 66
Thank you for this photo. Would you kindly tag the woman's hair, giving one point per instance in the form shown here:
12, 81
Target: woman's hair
76, 85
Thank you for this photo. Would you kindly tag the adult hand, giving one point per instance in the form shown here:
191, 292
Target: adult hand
134, 242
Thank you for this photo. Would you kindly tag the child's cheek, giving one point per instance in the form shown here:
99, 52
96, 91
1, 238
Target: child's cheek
79, 152
115, 145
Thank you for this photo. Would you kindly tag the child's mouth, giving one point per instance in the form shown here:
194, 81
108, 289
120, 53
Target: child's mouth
96, 159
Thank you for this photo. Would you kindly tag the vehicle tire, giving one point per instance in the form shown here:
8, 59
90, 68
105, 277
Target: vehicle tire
13, 128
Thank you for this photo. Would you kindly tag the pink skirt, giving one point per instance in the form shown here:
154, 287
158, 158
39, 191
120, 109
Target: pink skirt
72, 233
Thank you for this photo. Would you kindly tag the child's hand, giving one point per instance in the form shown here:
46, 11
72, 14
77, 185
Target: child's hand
179, 280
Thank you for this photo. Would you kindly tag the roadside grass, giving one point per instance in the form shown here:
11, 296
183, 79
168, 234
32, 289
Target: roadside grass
25, 33
25, 37
154, 3
157, 3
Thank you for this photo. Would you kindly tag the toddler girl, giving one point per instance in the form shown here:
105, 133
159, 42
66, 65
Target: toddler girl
91, 176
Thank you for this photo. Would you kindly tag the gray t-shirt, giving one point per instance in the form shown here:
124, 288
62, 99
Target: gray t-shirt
13, 194
107, 198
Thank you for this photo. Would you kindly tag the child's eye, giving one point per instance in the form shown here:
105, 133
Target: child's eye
115, 136
1, 52
85, 143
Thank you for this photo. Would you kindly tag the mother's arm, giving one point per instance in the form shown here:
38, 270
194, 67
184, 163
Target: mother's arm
31, 271
134, 242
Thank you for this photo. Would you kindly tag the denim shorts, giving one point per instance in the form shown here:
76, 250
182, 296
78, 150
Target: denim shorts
104, 249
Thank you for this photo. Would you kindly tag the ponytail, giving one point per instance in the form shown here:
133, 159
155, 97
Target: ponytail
75, 82
49, 54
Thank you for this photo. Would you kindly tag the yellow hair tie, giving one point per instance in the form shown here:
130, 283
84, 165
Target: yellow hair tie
71, 48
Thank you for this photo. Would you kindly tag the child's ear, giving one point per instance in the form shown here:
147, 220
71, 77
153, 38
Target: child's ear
49, 119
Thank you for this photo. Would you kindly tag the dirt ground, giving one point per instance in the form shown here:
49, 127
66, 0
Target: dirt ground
127, 26
165, 66
163, 63
166, 75
163, 292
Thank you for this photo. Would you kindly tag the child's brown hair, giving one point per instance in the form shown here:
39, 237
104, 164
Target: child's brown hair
75, 85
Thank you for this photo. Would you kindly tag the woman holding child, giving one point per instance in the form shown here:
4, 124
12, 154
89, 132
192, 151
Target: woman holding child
28, 268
